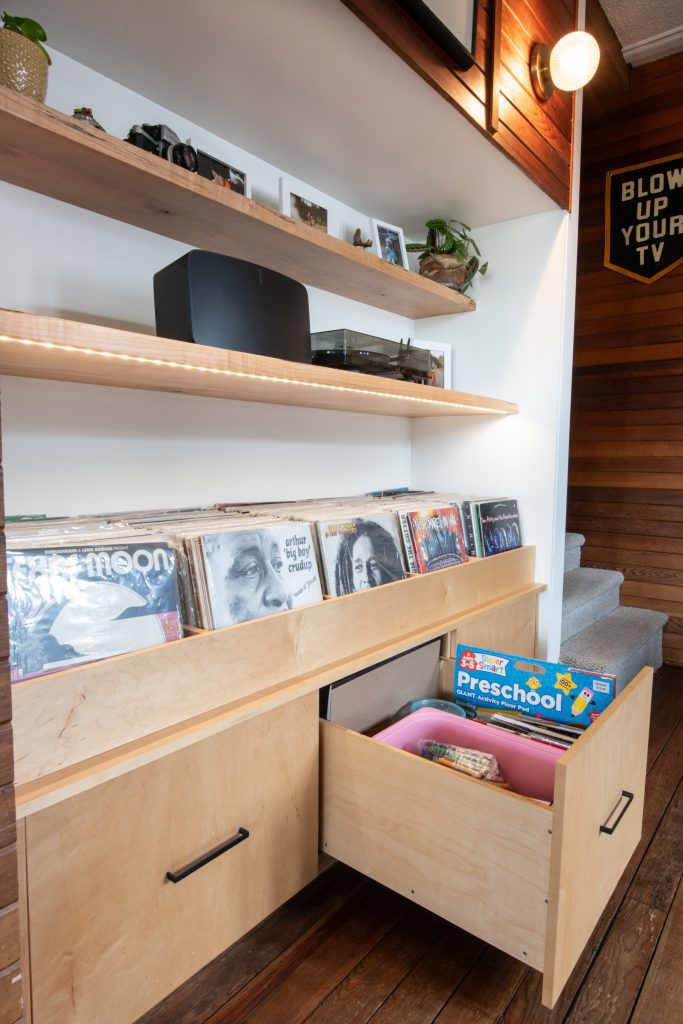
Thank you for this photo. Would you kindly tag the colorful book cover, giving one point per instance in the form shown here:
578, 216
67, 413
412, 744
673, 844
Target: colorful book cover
361, 552
258, 571
437, 539
68, 606
542, 689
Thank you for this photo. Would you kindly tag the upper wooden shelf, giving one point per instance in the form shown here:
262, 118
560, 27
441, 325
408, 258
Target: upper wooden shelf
55, 349
56, 155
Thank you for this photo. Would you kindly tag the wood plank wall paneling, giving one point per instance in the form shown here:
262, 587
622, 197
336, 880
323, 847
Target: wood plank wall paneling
626, 438
10, 970
536, 136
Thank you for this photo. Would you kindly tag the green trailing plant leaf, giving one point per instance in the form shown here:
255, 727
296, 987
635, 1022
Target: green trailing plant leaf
451, 238
28, 28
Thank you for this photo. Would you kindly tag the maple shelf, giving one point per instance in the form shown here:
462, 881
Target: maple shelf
50, 348
58, 156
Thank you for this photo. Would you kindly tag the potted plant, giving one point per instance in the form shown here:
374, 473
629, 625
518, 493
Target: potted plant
449, 255
23, 59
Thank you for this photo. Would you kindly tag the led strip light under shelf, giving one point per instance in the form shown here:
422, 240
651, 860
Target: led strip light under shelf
221, 372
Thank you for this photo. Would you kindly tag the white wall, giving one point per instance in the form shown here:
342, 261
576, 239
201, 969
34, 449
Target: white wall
71, 448
515, 347
76, 448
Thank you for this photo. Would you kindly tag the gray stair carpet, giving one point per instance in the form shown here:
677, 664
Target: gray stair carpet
619, 644
589, 594
573, 542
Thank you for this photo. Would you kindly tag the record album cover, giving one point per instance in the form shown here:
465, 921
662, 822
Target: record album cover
361, 552
256, 571
71, 605
436, 538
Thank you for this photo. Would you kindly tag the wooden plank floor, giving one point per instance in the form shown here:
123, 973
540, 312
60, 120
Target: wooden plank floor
348, 951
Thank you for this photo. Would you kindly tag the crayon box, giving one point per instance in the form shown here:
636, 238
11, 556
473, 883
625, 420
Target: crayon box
543, 689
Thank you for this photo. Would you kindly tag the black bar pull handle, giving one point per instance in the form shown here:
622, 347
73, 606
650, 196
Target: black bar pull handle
195, 865
609, 829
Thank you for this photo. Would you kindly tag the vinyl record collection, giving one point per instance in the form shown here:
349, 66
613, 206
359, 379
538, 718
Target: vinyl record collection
85, 588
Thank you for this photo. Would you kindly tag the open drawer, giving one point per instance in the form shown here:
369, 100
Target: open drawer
529, 878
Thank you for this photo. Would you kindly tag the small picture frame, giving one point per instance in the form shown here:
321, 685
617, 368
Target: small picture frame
441, 362
223, 174
302, 208
390, 243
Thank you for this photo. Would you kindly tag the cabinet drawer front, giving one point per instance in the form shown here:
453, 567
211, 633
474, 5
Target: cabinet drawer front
110, 935
591, 781
475, 855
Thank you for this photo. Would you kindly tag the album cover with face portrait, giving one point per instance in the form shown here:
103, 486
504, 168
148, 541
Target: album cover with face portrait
72, 605
360, 552
258, 570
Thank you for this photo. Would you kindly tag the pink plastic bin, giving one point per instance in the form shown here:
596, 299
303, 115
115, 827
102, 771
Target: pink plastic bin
528, 766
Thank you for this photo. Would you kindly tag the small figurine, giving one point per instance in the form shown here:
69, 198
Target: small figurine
85, 114
358, 240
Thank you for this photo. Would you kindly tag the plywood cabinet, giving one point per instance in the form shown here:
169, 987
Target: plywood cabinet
110, 934
527, 878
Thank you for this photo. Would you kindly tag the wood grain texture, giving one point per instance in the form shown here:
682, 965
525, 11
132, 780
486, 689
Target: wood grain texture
109, 934
456, 963
661, 996
523, 125
53, 349
98, 708
55, 155
626, 458
437, 838
9, 935
509, 628
586, 863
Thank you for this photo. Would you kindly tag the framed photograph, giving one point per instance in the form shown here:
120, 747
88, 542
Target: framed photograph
441, 362
302, 208
223, 174
452, 25
390, 243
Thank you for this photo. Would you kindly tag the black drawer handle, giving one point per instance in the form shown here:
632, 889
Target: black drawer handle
195, 865
612, 828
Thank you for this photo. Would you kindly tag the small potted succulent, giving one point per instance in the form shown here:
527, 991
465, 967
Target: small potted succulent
449, 255
23, 59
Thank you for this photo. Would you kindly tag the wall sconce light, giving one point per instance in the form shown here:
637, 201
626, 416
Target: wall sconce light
570, 64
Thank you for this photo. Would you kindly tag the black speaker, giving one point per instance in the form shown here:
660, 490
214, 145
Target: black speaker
228, 303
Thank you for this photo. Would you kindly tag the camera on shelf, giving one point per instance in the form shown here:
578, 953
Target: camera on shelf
162, 140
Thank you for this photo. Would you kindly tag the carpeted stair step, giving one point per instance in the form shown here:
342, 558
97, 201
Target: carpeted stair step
588, 595
573, 542
619, 644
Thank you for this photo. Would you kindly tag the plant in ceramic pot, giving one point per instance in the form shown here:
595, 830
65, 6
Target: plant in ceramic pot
23, 59
449, 255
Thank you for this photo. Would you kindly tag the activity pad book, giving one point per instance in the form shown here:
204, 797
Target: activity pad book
491, 681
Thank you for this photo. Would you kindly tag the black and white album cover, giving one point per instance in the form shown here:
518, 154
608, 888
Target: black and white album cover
361, 552
256, 571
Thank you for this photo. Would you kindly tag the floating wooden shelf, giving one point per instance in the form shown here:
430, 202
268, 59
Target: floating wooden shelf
55, 349
73, 727
44, 150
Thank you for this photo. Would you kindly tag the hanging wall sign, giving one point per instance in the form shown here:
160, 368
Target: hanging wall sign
644, 218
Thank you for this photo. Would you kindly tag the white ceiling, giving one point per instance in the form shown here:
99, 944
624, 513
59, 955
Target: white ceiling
646, 29
306, 86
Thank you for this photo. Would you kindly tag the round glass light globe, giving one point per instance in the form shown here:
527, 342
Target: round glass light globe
574, 60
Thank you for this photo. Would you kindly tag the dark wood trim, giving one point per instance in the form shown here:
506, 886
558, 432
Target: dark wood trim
493, 106
536, 136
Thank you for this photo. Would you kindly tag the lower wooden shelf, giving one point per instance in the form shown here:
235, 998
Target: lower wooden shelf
75, 728
53, 349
